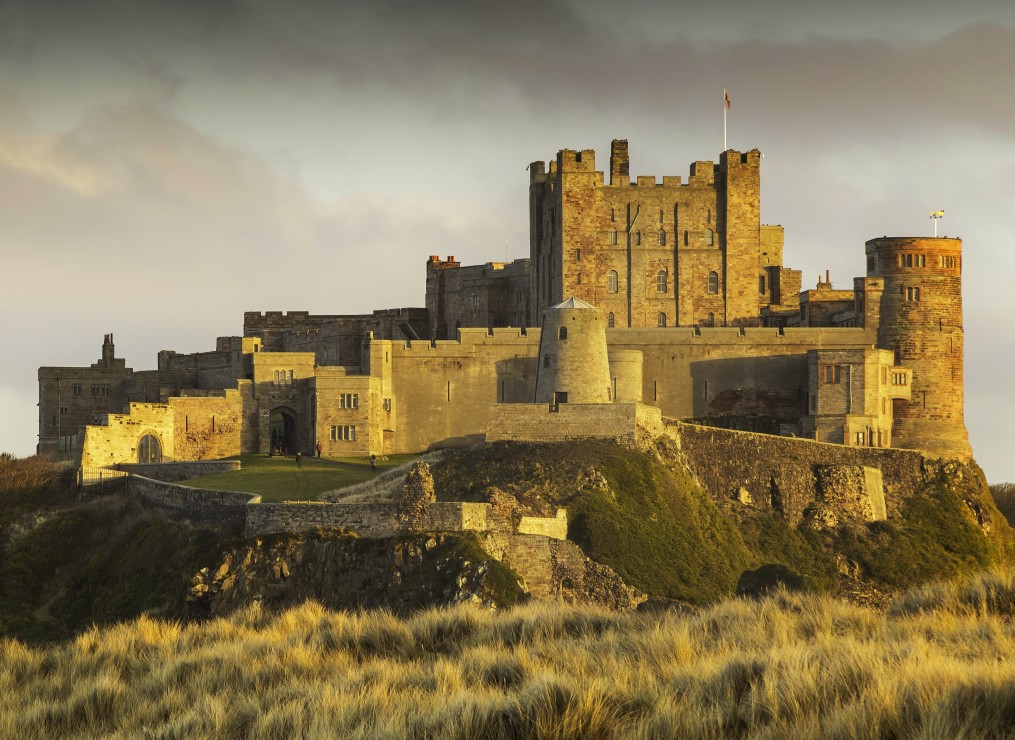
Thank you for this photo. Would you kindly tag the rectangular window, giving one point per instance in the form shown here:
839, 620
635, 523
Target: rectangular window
76, 389
613, 237
577, 255
475, 301
387, 404
637, 238
912, 294
344, 433
898, 379
832, 374
348, 400
861, 439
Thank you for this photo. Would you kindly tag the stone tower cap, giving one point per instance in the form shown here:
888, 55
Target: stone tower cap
573, 302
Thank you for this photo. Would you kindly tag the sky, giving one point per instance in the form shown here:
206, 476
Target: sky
167, 165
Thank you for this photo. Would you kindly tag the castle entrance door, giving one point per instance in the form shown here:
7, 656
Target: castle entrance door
149, 450
283, 431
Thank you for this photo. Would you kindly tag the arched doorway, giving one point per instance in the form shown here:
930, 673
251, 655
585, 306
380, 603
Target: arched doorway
282, 431
149, 449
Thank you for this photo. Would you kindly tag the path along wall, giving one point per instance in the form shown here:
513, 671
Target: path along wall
175, 471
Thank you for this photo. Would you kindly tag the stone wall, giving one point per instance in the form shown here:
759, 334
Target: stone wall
536, 423
197, 504
176, 471
782, 472
367, 520
555, 528
117, 440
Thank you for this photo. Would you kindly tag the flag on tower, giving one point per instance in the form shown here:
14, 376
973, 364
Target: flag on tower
726, 97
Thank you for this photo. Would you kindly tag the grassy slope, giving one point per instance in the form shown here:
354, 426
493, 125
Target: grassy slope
278, 478
665, 536
74, 562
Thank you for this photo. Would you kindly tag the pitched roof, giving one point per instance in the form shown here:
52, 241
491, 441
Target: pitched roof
573, 302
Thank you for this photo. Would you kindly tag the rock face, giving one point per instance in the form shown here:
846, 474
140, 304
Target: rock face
344, 572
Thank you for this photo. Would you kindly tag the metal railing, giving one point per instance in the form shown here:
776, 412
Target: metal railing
105, 479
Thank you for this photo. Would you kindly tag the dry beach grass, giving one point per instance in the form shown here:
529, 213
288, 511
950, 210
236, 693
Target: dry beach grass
936, 663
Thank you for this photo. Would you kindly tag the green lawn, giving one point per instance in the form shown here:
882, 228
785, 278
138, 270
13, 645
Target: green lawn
278, 478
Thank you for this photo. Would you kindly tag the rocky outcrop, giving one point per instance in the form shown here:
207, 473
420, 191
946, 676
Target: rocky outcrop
342, 571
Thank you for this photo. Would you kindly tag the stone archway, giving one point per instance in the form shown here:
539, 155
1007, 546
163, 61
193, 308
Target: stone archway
283, 431
149, 449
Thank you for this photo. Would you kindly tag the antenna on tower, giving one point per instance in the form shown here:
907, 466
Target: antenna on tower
935, 217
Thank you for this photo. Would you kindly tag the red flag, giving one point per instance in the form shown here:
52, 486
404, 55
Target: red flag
726, 98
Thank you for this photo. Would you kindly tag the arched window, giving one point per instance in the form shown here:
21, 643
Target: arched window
661, 281
562, 334
661, 319
709, 238
662, 238
612, 281
149, 450
713, 282
610, 320
278, 377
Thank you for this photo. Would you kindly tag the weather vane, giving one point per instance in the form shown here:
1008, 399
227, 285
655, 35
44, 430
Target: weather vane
935, 217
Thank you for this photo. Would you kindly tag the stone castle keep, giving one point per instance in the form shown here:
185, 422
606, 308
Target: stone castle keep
639, 300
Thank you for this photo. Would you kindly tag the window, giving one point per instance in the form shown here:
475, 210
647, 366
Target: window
283, 377
637, 238
578, 279
562, 334
661, 319
946, 261
660, 215
709, 238
577, 255
662, 238
713, 282
64, 410
711, 319
613, 237
831, 374
613, 214
610, 320
861, 439
761, 285
612, 281
387, 404
912, 294
518, 297
661, 281
344, 433
546, 361
348, 400
475, 300
76, 389
898, 379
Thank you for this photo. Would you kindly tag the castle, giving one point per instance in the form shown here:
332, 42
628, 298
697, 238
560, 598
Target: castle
682, 304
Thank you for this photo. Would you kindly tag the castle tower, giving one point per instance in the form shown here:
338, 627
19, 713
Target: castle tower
921, 320
573, 363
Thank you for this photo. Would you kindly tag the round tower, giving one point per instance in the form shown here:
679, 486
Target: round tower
626, 372
573, 363
921, 320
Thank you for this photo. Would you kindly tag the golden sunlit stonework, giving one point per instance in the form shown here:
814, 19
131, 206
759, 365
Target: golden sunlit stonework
656, 299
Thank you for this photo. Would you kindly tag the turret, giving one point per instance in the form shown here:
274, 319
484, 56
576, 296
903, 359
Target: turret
573, 362
921, 320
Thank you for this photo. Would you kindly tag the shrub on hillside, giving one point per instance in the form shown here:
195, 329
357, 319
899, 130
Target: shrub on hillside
1004, 498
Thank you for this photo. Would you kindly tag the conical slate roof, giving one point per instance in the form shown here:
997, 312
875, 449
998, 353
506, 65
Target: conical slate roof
573, 302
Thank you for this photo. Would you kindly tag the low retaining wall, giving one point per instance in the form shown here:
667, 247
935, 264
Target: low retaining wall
512, 422
197, 504
367, 520
174, 471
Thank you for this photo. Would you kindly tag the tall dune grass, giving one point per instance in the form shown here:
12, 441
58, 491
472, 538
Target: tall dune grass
937, 663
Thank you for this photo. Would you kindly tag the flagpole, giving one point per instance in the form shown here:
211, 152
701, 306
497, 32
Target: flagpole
724, 107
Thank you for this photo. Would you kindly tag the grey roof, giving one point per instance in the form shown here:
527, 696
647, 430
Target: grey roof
573, 302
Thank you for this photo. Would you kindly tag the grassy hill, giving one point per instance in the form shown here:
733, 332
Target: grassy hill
647, 519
